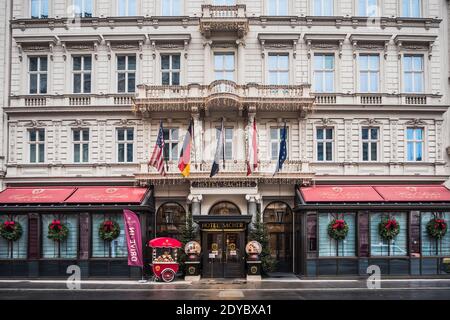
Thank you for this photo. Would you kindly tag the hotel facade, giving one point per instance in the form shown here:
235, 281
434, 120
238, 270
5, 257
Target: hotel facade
361, 85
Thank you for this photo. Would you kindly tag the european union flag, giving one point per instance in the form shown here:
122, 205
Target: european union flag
283, 149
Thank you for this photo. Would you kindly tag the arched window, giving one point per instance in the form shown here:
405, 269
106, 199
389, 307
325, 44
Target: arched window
169, 220
224, 208
278, 219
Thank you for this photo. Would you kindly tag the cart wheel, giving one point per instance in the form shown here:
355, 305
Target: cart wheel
167, 275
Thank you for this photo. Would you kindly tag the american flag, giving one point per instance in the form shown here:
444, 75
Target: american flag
157, 158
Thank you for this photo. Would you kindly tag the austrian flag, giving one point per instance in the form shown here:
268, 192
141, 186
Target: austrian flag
252, 154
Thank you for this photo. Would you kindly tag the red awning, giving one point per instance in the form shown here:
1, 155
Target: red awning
107, 195
340, 194
414, 193
36, 195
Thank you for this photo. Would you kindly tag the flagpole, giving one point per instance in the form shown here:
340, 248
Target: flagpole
223, 144
193, 143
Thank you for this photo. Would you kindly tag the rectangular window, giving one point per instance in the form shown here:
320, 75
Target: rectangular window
127, 7
224, 2
278, 69
370, 140
171, 7
432, 246
328, 247
395, 247
414, 144
81, 69
277, 7
125, 139
323, 72
37, 72
411, 8
37, 145
325, 142
116, 248
126, 73
413, 73
170, 69
369, 72
368, 8
170, 144
39, 9
275, 139
228, 142
224, 65
83, 8
323, 7
67, 248
80, 145
18, 248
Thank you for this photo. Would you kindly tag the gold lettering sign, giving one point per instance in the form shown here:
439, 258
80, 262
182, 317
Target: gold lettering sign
222, 225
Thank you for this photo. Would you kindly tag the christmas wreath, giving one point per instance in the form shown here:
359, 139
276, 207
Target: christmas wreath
57, 231
388, 229
11, 230
109, 230
437, 228
338, 229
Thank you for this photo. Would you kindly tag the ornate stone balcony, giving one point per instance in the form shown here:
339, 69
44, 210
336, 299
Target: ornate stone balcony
223, 95
224, 19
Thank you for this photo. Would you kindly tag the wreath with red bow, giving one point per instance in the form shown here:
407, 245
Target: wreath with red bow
11, 230
389, 228
109, 230
57, 231
437, 228
338, 229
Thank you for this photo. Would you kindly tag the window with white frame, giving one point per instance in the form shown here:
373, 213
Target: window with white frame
39, 9
81, 69
125, 140
369, 72
37, 72
224, 2
171, 7
80, 145
411, 8
126, 7
275, 140
413, 73
414, 143
83, 8
224, 65
278, 68
277, 7
323, 7
228, 141
126, 73
368, 8
170, 69
171, 141
325, 144
370, 141
37, 145
324, 72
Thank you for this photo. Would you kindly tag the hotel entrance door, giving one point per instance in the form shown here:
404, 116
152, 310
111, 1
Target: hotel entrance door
224, 254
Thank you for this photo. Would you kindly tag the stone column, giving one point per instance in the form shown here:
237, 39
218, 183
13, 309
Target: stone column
207, 62
196, 203
240, 61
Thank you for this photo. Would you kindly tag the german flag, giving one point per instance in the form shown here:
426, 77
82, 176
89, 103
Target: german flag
184, 164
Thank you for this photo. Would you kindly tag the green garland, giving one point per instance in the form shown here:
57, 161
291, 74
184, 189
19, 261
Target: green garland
437, 228
388, 229
57, 231
109, 230
11, 230
338, 229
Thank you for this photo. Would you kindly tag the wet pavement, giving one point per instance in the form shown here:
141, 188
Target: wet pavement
223, 289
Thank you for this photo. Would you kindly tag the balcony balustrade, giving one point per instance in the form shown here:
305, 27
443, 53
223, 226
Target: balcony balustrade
224, 19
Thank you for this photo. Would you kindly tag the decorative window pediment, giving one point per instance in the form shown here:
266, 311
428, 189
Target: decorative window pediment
35, 44
414, 43
169, 42
80, 43
286, 41
376, 42
324, 41
125, 42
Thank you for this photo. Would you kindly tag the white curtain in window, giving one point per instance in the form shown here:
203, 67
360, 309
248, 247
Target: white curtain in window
108, 249
329, 247
395, 247
60, 249
15, 249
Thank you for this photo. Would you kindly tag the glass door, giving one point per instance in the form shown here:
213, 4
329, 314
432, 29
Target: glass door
214, 259
234, 256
